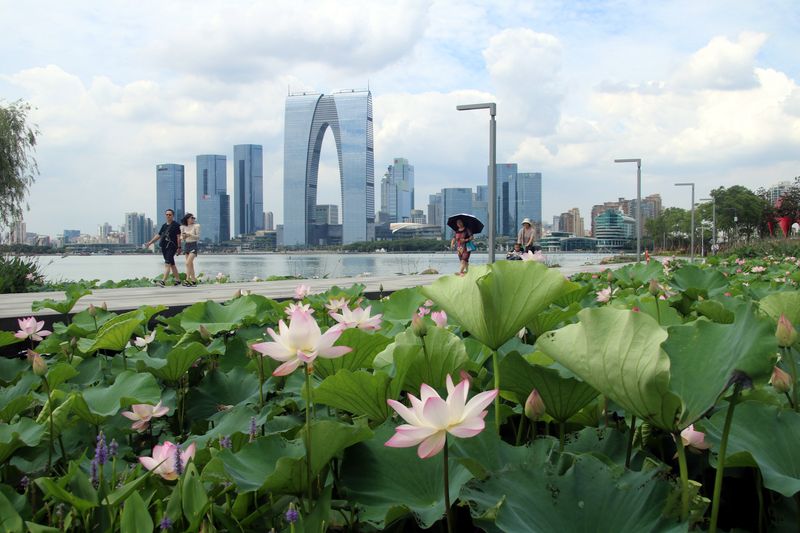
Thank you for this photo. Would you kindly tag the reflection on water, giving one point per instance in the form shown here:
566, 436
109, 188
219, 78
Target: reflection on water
245, 267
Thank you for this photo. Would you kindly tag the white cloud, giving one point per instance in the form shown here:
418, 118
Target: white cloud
723, 64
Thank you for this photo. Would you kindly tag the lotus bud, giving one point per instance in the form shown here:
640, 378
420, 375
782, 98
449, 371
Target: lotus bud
418, 326
785, 332
781, 380
610, 276
204, 333
73, 342
653, 288
534, 406
237, 294
92, 310
37, 363
104, 306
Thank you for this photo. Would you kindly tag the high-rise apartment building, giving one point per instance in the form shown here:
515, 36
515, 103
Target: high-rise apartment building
349, 115
572, 222
248, 188
397, 191
138, 228
170, 190
778, 190
104, 230
454, 201
270, 221
435, 209
651, 208
213, 201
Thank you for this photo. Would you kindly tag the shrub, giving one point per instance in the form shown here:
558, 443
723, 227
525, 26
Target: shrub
18, 274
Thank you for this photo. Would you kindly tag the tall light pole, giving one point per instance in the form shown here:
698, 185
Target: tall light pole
691, 256
492, 107
638, 204
713, 222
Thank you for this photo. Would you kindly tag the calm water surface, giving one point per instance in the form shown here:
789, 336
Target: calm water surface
245, 267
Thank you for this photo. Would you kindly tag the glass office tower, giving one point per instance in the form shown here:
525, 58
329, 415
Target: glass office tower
348, 114
213, 202
248, 188
169, 191
529, 196
455, 200
397, 191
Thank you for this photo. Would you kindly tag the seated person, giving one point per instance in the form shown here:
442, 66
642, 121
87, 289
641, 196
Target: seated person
516, 253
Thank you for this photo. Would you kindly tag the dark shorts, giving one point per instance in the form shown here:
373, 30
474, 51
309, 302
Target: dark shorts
169, 254
190, 248
463, 254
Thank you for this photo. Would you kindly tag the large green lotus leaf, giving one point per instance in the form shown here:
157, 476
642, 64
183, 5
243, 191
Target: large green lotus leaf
562, 396
85, 322
710, 282
179, 360
10, 521
24, 432
365, 347
487, 453
703, 356
602, 442
217, 317
116, 333
441, 354
60, 415
385, 358
73, 293
359, 392
493, 302
389, 483
226, 423
762, 435
402, 305
252, 466
589, 496
638, 274
782, 303
7, 337
715, 311
619, 353
15, 399
574, 294
221, 389
658, 309
11, 368
549, 319
128, 388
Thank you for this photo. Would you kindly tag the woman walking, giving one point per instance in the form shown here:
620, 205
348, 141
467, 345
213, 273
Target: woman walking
190, 233
462, 240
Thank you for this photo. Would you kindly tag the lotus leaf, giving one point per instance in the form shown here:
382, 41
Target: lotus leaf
96, 403
365, 347
72, 293
7, 338
221, 389
217, 317
783, 303
24, 432
359, 392
692, 279
638, 274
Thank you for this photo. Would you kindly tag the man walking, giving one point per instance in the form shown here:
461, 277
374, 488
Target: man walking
170, 237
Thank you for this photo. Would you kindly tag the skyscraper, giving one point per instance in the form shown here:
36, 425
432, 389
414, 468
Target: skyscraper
506, 213
169, 190
435, 209
248, 188
454, 201
138, 228
397, 191
529, 199
213, 202
269, 223
349, 116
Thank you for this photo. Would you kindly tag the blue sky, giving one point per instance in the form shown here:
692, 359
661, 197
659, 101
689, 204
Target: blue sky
701, 91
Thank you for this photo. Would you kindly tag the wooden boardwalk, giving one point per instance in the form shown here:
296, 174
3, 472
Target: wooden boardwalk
19, 305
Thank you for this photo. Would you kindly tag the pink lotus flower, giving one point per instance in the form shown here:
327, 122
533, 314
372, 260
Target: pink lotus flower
301, 291
142, 413
336, 305
431, 418
29, 327
164, 460
605, 295
300, 342
785, 332
143, 342
422, 311
533, 256
757, 269
358, 318
439, 318
428, 303
306, 308
694, 440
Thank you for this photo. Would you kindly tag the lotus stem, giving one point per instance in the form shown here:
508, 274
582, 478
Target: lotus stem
561, 437
723, 447
522, 429
448, 510
496, 371
260, 382
307, 372
684, 473
50, 417
658, 311
631, 434
787, 352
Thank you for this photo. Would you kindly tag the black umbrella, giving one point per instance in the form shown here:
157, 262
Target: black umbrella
470, 222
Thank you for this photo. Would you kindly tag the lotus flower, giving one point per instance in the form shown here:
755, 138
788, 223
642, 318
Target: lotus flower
163, 462
301, 291
38, 364
431, 418
605, 295
30, 328
142, 413
336, 305
143, 342
428, 303
694, 440
785, 332
533, 256
781, 380
302, 307
220, 276
758, 269
300, 342
439, 318
422, 311
534, 406
358, 318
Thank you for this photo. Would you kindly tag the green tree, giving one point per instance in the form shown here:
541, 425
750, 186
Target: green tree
740, 212
18, 168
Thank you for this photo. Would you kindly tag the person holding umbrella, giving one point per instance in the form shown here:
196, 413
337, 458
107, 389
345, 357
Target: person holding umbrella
464, 227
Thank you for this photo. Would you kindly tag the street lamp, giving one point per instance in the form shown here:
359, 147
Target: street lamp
492, 107
691, 256
713, 222
638, 204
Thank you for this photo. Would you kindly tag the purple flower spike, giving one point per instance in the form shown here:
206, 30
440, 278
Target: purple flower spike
165, 523
178, 461
292, 515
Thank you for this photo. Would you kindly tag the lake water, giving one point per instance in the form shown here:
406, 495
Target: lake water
246, 266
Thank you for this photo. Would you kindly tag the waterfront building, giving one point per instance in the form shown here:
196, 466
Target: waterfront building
348, 114
104, 230
138, 229
651, 208
213, 201
614, 230
71, 235
170, 190
397, 191
248, 188
435, 209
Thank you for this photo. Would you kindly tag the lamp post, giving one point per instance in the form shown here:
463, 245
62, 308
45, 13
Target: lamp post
713, 222
492, 107
691, 184
638, 204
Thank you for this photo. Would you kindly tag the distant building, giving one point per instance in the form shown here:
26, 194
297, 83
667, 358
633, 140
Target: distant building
170, 190
778, 190
270, 221
71, 235
435, 209
138, 229
18, 232
418, 216
556, 223
397, 191
411, 230
454, 201
614, 230
572, 222
248, 188
213, 201
651, 208
519, 196
104, 230
326, 214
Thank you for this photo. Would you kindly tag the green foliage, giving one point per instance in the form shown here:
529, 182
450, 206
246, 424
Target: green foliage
18, 168
18, 274
73, 293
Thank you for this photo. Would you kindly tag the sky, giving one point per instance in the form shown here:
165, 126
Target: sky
704, 92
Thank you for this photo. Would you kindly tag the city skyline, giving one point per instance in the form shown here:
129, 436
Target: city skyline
703, 92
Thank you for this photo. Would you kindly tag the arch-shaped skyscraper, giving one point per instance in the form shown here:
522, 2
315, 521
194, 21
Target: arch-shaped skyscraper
348, 114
